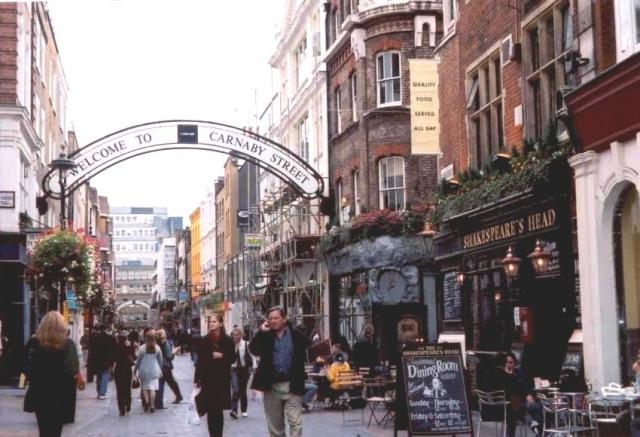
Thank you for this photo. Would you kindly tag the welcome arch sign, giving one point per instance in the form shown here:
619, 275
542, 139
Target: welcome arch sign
128, 143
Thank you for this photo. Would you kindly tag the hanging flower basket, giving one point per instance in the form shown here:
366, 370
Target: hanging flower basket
63, 258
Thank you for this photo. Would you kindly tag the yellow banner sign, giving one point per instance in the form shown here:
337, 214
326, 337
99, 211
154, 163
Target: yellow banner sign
425, 126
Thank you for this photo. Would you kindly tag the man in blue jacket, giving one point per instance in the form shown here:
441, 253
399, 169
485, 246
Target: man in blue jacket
280, 374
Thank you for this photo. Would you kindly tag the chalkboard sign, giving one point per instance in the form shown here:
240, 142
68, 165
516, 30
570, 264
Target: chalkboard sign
452, 298
435, 390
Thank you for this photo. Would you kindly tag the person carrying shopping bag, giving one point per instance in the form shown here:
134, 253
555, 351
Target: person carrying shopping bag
213, 374
149, 370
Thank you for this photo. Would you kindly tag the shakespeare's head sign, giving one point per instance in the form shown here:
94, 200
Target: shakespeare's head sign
200, 135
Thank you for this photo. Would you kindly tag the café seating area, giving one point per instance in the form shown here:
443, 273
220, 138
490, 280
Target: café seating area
610, 410
370, 390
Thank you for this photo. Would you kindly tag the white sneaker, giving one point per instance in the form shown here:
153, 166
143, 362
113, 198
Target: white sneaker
245, 415
102, 397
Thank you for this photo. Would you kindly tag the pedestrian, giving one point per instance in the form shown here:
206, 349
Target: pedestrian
149, 369
240, 371
213, 373
54, 374
125, 358
280, 374
103, 358
84, 345
365, 351
166, 347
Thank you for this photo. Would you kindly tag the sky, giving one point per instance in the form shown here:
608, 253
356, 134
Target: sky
128, 62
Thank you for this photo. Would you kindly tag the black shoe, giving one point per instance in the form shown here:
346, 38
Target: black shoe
178, 400
233, 415
121, 413
305, 407
152, 410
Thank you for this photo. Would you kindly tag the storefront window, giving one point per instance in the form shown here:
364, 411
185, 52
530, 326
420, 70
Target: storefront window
627, 233
355, 306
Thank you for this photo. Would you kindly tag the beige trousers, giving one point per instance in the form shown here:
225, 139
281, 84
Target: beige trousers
280, 403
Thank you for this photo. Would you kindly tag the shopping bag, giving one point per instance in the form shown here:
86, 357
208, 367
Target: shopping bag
192, 413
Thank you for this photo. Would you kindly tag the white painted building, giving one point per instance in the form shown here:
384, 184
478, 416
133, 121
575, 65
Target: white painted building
295, 116
607, 183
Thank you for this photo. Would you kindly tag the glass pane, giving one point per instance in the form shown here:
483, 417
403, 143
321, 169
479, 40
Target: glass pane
567, 27
396, 90
383, 93
400, 198
383, 174
380, 66
637, 14
396, 64
387, 65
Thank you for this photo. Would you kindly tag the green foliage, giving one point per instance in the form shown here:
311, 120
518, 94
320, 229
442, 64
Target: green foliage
60, 258
526, 170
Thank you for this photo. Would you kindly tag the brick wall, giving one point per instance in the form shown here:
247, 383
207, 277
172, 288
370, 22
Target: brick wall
481, 24
379, 132
8, 53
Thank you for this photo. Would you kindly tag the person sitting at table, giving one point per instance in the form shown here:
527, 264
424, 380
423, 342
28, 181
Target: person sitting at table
336, 348
338, 365
518, 391
319, 365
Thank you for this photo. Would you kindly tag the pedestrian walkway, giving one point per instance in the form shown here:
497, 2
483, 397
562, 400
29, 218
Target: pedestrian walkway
99, 418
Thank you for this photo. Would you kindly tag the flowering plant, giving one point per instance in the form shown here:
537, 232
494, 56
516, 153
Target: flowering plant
371, 225
62, 258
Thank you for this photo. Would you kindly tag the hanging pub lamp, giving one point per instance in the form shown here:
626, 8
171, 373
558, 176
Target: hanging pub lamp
511, 264
539, 258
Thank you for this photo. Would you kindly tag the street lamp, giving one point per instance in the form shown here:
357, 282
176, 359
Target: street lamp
511, 264
539, 258
63, 164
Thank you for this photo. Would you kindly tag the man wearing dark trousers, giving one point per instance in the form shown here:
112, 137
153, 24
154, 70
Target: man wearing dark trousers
280, 374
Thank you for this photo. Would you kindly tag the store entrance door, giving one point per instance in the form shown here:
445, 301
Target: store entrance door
396, 324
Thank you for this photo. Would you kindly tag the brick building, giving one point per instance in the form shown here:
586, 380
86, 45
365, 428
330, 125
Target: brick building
373, 164
509, 65
369, 48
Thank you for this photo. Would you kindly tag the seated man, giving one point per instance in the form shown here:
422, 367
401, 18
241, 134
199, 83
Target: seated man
310, 390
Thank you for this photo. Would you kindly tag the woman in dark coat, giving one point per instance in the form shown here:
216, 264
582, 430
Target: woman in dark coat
125, 358
213, 373
53, 376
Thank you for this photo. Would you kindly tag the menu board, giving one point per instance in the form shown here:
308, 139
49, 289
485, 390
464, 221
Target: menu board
452, 298
553, 269
435, 390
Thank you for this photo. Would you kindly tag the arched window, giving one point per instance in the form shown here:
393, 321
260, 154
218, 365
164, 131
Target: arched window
391, 177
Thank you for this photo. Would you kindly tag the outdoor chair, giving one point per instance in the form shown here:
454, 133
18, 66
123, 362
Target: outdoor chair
579, 423
373, 392
350, 389
493, 408
605, 411
555, 412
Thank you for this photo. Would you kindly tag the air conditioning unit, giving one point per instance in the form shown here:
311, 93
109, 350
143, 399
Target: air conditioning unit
509, 51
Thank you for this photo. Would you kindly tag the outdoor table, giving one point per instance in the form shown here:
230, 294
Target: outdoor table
626, 398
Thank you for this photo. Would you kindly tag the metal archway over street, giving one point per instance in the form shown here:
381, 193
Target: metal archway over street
187, 134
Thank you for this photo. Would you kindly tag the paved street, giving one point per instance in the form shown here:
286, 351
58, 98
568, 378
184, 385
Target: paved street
100, 418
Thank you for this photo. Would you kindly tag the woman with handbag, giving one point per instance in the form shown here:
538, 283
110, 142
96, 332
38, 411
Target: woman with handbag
53, 376
122, 374
213, 374
149, 370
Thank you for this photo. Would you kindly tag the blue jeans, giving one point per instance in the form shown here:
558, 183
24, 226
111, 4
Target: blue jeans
309, 392
160, 394
239, 381
102, 381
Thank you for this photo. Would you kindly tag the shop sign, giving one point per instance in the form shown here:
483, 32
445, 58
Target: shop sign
7, 199
253, 241
518, 227
425, 126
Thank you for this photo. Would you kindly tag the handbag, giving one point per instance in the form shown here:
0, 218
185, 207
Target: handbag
135, 383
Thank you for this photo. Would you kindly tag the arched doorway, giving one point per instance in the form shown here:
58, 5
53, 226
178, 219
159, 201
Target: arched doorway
626, 233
